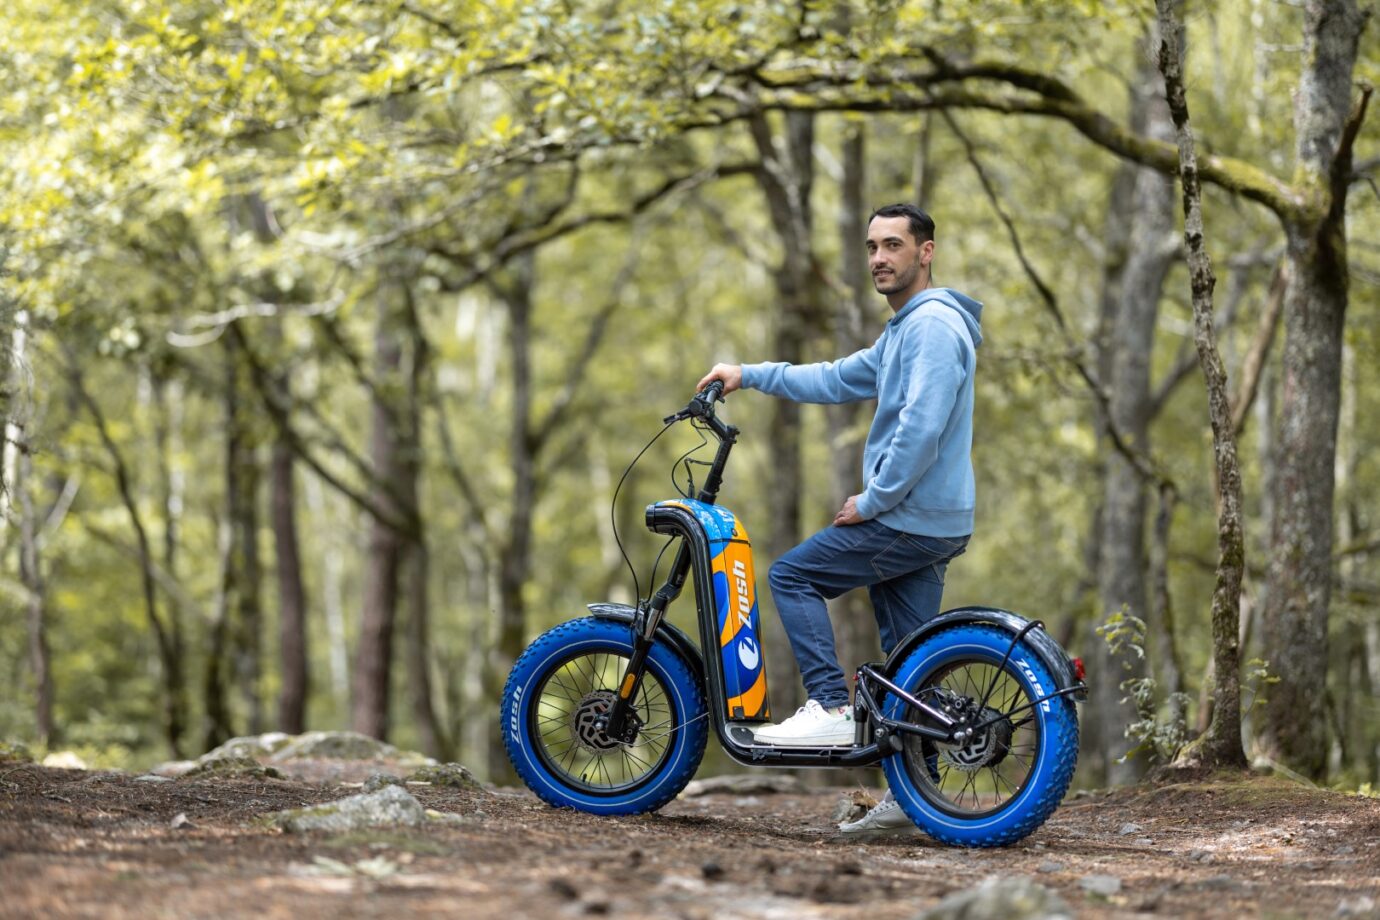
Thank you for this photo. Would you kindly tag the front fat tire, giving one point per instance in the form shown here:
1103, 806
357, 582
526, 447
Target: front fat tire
1054, 763
684, 697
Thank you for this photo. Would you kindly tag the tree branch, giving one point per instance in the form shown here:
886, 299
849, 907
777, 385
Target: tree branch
1035, 94
497, 254
593, 338
478, 509
1145, 466
1254, 362
274, 402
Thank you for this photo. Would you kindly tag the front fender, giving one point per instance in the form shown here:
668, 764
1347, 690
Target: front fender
1050, 652
672, 635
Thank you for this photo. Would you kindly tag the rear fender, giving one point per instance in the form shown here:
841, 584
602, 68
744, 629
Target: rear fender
1050, 652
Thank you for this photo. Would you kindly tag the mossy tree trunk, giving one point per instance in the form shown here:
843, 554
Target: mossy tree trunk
1221, 745
1298, 593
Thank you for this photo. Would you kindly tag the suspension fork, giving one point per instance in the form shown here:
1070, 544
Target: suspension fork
649, 616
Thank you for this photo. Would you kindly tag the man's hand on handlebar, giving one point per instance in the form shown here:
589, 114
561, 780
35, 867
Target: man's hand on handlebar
730, 374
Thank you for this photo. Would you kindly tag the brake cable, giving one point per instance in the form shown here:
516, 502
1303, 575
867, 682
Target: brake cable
613, 506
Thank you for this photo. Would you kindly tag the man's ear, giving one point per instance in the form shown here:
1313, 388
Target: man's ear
926, 252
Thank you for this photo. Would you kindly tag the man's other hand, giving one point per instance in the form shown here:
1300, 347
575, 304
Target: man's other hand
848, 514
730, 374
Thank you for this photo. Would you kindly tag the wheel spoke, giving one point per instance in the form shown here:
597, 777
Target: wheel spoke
992, 768
567, 702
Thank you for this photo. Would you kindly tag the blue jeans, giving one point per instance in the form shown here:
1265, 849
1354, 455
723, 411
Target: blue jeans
904, 574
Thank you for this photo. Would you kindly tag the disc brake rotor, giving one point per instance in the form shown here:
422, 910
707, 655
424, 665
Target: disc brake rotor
987, 748
587, 725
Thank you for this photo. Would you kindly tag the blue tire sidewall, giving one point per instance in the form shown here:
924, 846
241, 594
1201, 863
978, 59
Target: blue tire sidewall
1057, 743
682, 690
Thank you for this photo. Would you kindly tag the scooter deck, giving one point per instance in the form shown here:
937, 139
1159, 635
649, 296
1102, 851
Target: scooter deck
744, 736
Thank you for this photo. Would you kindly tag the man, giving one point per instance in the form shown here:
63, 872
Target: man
915, 512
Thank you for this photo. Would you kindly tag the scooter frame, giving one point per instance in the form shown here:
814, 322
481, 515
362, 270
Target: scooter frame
877, 736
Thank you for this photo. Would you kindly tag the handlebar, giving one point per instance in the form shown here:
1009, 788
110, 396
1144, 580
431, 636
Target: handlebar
701, 405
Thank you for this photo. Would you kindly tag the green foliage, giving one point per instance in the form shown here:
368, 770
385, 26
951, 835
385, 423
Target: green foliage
442, 142
1161, 727
1255, 677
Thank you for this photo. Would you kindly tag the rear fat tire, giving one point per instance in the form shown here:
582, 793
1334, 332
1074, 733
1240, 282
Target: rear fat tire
1052, 767
684, 698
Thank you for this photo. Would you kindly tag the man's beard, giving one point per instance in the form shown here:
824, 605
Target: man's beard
899, 282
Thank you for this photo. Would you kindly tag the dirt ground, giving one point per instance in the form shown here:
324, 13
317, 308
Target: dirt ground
92, 844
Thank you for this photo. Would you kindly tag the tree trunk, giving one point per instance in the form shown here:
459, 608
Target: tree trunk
924, 168
786, 180
1295, 610
1221, 745
292, 603
324, 523
854, 624
8, 388
374, 652
169, 399
31, 576
248, 572
235, 624
174, 683
417, 559
18, 486
515, 557
218, 726
1127, 347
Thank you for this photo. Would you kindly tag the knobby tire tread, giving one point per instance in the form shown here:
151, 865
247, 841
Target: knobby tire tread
672, 777
1061, 732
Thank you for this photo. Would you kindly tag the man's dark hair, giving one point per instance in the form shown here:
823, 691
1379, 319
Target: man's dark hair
921, 224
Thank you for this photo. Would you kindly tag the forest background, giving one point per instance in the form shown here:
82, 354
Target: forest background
331, 326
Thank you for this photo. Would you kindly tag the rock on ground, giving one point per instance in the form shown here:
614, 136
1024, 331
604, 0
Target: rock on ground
1001, 898
377, 781
452, 775
249, 746
344, 746
232, 766
1104, 885
65, 760
173, 768
14, 752
391, 805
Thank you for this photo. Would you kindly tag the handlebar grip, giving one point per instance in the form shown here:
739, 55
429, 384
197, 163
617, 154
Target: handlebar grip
714, 392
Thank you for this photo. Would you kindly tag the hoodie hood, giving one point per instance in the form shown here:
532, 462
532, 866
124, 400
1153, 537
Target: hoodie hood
962, 304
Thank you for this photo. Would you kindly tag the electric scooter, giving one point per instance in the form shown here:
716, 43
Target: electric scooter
972, 716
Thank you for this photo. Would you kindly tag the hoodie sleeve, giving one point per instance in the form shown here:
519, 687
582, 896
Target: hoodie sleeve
845, 380
932, 365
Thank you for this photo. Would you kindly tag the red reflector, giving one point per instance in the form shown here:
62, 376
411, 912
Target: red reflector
1078, 671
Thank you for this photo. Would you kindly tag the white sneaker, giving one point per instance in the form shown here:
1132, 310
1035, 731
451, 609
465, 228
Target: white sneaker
886, 817
811, 726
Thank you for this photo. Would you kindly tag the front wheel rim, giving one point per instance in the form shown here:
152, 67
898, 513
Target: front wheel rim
581, 686
990, 771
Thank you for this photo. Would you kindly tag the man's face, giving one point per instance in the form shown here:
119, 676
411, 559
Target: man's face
895, 258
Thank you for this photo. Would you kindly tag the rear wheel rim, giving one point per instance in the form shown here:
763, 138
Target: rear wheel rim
569, 698
986, 774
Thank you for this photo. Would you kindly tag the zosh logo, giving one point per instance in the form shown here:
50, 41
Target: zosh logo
1030, 675
749, 655
744, 601
513, 719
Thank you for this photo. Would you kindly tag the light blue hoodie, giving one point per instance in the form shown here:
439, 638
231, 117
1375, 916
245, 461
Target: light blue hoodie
917, 469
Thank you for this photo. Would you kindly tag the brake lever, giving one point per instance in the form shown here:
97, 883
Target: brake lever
699, 407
